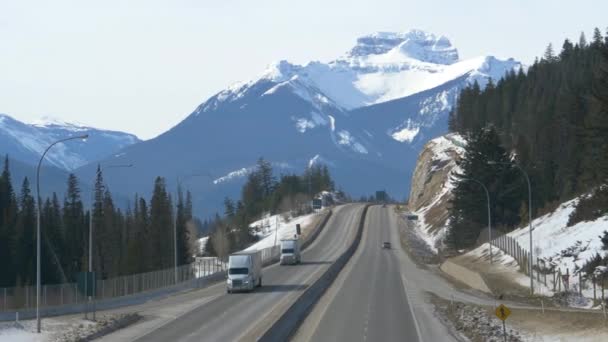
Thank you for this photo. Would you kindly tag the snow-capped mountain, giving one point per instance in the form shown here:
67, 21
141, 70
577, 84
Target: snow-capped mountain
27, 142
366, 115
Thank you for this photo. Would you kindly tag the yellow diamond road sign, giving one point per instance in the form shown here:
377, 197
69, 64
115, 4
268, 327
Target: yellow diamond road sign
503, 312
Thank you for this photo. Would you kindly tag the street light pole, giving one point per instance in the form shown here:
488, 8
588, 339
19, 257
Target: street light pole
531, 257
82, 137
489, 213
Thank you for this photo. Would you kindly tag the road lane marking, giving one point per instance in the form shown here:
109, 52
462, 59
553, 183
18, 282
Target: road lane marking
311, 323
264, 322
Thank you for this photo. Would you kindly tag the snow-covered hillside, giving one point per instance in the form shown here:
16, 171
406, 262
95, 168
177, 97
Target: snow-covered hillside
564, 247
27, 142
271, 229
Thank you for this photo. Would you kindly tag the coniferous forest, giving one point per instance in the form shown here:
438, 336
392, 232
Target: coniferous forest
552, 121
137, 239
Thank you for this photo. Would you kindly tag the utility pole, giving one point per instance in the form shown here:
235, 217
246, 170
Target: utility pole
38, 200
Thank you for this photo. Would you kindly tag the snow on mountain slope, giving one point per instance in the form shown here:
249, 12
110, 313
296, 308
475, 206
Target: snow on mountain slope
381, 67
366, 115
27, 142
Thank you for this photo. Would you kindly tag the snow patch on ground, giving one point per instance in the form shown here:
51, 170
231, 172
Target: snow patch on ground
271, 229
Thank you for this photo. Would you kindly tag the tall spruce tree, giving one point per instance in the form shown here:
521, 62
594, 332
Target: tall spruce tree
468, 210
75, 230
25, 237
161, 227
8, 220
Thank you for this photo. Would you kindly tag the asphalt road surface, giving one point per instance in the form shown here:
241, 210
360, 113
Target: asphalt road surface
246, 316
370, 303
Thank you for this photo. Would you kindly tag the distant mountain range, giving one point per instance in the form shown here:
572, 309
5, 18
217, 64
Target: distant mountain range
366, 115
24, 143
27, 142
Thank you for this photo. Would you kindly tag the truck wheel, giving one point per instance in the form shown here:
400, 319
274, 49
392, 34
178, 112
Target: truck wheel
228, 291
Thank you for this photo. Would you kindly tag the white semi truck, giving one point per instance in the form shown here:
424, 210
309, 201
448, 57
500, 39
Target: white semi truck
290, 251
244, 271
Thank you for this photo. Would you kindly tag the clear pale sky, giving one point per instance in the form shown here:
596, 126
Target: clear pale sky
143, 65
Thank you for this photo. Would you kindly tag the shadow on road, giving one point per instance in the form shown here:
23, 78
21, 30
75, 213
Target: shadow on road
281, 288
315, 262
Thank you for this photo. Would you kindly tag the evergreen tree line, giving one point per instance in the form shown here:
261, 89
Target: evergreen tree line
139, 239
261, 194
552, 121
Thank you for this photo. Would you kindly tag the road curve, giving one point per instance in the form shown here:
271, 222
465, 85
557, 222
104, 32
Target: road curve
244, 316
370, 303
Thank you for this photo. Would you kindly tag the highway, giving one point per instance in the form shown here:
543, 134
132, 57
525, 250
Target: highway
246, 316
369, 302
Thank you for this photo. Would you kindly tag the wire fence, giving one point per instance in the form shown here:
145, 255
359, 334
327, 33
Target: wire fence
14, 299
555, 278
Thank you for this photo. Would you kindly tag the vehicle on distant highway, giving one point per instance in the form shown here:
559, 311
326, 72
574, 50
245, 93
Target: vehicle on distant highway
244, 271
386, 245
290, 251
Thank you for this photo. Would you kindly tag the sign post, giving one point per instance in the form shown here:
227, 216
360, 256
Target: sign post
86, 286
503, 312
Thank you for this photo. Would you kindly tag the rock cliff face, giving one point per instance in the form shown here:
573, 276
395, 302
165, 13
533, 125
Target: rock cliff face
431, 188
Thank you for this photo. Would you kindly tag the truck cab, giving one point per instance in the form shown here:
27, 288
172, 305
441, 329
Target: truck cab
244, 271
290, 252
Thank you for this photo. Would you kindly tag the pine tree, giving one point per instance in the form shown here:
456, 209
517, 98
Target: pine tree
582, 41
264, 169
161, 227
75, 230
229, 210
98, 225
567, 49
52, 245
598, 40
8, 218
549, 55
25, 236
468, 211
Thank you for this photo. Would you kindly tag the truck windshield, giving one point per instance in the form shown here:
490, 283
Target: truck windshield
238, 270
287, 251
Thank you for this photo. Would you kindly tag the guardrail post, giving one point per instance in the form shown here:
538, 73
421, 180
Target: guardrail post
580, 283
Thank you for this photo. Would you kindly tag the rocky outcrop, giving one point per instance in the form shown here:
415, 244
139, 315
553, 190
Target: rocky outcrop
431, 185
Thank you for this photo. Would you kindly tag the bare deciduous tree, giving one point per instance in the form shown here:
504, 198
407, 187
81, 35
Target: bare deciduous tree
220, 241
